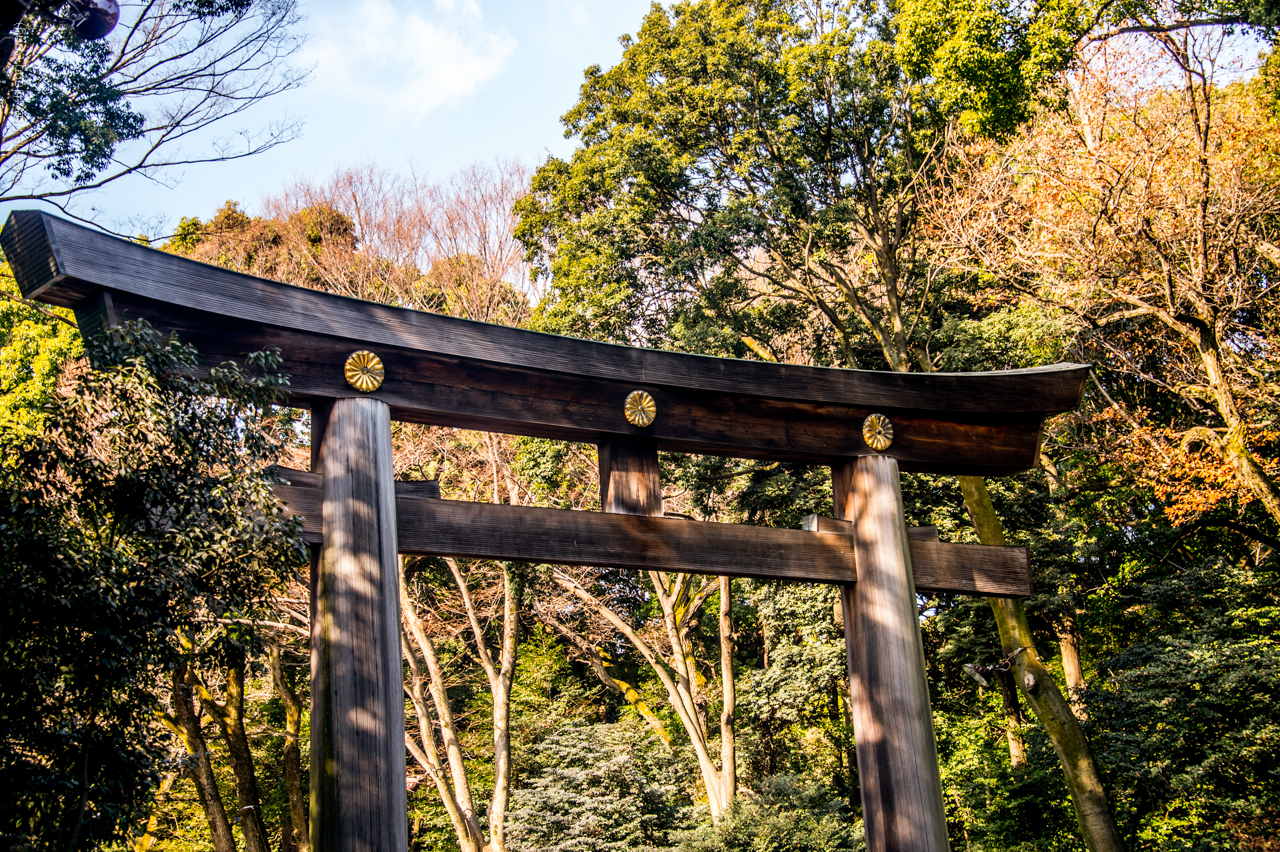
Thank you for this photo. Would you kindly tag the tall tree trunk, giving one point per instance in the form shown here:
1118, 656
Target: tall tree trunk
1012, 719
1097, 824
186, 724
449, 774
1069, 643
678, 687
630, 484
230, 719
143, 842
1066, 626
728, 742
500, 675
679, 607
1235, 445
296, 828
427, 754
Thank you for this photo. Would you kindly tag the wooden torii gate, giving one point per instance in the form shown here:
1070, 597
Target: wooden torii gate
359, 365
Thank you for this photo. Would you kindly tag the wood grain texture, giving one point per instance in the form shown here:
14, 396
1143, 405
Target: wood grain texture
1002, 572
428, 388
889, 696
638, 542
357, 711
971, 569
96, 315
629, 480
432, 527
459, 373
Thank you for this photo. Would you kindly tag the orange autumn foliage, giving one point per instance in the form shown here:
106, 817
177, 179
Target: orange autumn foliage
1148, 212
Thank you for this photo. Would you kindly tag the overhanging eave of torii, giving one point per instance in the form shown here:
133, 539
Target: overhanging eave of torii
455, 372
631, 403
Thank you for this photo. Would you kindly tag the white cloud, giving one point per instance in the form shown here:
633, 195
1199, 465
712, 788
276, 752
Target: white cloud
400, 57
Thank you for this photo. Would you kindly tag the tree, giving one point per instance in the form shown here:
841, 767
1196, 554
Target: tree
490, 610
745, 151
37, 342
141, 513
76, 115
443, 246
1186, 713
1150, 223
787, 814
995, 63
798, 685
740, 149
667, 644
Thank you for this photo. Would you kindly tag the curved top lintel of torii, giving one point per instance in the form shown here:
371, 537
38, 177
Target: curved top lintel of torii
456, 372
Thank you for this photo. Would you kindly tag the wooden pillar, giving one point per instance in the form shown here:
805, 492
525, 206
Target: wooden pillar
889, 697
629, 480
357, 697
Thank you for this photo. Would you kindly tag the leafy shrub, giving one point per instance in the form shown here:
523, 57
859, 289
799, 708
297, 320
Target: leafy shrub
786, 813
598, 788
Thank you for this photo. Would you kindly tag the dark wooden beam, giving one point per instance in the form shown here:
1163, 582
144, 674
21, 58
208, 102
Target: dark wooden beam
433, 527
454, 372
969, 569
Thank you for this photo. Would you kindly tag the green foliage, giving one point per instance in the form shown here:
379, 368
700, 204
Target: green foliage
1187, 718
546, 690
69, 93
1005, 339
189, 234
547, 468
989, 61
791, 704
993, 61
252, 236
143, 509
990, 805
33, 349
598, 787
731, 131
71, 106
787, 813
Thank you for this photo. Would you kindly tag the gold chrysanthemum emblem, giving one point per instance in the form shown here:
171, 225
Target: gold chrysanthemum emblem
364, 371
877, 431
640, 408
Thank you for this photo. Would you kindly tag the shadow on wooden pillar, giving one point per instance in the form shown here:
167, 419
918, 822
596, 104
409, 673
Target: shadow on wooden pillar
889, 696
629, 481
357, 704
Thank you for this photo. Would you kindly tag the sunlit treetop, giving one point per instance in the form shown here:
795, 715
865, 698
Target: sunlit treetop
991, 60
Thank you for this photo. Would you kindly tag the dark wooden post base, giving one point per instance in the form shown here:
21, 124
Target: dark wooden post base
357, 703
889, 697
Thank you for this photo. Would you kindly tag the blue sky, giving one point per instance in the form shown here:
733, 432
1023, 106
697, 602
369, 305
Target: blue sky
432, 84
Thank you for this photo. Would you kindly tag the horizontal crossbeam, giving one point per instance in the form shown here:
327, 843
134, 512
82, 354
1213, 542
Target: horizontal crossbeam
429, 526
942, 567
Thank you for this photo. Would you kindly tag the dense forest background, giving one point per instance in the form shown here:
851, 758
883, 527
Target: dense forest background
931, 186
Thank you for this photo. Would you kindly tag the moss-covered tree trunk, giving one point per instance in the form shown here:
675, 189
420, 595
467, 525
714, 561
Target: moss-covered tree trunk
1097, 824
230, 719
186, 724
299, 833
